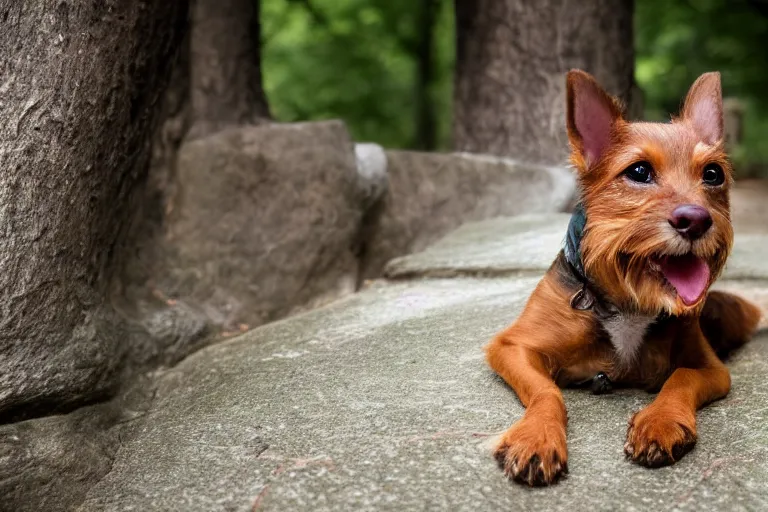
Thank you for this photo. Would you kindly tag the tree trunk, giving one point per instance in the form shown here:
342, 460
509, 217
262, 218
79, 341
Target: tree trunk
426, 124
80, 83
226, 80
511, 60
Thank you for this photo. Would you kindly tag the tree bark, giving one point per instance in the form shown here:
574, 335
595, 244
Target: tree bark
79, 83
511, 59
226, 83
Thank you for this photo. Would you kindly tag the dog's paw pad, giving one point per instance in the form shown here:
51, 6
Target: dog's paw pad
658, 444
534, 471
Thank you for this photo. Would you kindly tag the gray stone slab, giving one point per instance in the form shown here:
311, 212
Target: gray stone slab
382, 401
431, 194
528, 244
494, 246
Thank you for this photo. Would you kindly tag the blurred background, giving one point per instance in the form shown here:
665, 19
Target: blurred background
387, 66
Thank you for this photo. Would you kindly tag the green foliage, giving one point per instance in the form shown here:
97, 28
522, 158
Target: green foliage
676, 40
354, 60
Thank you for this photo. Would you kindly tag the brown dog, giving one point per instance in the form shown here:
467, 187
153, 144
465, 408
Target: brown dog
627, 297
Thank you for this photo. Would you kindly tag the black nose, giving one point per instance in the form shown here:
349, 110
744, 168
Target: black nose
691, 221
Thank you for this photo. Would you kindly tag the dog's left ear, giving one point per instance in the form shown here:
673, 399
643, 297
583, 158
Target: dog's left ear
591, 115
704, 107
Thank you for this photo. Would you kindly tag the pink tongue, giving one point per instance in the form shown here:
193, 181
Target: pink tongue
688, 274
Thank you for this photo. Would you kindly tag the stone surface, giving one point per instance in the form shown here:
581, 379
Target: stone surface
529, 243
371, 171
50, 463
431, 194
504, 245
232, 255
382, 401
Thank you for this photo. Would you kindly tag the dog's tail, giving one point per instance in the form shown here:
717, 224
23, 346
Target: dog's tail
728, 321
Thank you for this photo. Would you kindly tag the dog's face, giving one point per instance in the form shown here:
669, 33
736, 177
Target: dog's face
658, 228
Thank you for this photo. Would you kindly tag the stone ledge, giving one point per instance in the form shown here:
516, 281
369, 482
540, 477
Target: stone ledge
529, 244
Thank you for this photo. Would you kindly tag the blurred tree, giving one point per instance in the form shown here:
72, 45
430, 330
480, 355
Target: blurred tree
426, 122
225, 65
511, 60
679, 39
216, 83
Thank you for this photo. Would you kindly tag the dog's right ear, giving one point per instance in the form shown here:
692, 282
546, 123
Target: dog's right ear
591, 116
704, 107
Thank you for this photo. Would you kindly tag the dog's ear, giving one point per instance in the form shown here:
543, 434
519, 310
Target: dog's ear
591, 115
703, 107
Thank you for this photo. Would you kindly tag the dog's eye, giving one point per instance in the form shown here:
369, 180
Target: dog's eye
641, 172
713, 175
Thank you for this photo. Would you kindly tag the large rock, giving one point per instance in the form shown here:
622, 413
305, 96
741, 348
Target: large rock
431, 194
379, 401
265, 220
382, 401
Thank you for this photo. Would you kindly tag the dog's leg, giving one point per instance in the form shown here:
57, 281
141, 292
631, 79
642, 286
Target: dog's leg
664, 431
527, 355
533, 450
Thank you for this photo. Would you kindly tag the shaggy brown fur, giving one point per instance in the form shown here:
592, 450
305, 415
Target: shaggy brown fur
628, 237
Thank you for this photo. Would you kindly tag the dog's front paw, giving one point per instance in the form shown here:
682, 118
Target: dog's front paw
533, 453
659, 436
